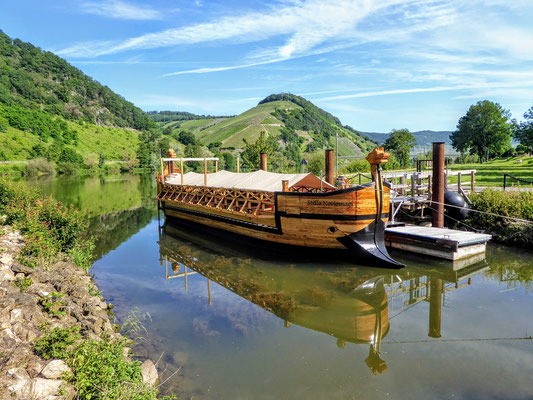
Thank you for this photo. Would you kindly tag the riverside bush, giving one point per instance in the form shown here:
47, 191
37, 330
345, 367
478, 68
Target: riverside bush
49, 226
99, 368
508, 204
39, 166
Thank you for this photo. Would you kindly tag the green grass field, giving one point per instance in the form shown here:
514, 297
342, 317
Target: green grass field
491, 173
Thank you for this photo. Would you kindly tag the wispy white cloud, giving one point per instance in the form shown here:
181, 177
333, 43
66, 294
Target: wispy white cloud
428, 89
120, 10
227, 68
308, 24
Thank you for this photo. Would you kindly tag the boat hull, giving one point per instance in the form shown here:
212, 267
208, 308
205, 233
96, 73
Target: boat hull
319, 220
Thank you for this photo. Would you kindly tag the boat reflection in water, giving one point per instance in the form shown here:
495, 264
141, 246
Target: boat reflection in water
351, 304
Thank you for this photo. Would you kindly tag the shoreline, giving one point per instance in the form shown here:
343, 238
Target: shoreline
35, 303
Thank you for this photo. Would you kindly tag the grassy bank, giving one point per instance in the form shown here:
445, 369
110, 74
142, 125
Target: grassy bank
54, 236
507, 204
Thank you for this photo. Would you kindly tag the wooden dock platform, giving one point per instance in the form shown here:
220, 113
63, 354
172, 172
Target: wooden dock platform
443, 243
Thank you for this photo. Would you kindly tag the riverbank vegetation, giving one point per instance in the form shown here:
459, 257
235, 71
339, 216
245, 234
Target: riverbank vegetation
50, 228
517, 205
54, 234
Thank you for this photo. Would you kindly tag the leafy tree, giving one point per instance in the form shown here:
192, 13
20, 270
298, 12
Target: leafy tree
316, 164
186, 138
69, 155
485, 130
252, 151
230, 162
524, 131
400, 142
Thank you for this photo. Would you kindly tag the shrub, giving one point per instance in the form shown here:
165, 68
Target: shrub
358, 166
68, 168
39, 166
48, 226
99, 368
508, 204
3, 124
113, 169
91, 161
53, 344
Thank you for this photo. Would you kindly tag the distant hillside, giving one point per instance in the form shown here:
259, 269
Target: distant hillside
292, 120
170, 116
424, 139
40, 80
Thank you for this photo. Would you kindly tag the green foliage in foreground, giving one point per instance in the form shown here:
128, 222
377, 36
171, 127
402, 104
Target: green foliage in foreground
99, 368
48, 226
510, 204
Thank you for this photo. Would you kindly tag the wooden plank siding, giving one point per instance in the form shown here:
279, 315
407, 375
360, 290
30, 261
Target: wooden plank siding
304, 219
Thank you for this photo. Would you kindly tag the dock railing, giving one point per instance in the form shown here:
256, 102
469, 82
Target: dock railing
412, 190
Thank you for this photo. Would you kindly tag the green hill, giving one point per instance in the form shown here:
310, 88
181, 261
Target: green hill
290, 119
40, 80
46, 104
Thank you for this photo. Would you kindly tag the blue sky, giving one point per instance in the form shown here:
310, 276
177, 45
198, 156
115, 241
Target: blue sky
376, 64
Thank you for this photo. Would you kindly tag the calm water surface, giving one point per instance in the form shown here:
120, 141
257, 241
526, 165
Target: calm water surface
230, 321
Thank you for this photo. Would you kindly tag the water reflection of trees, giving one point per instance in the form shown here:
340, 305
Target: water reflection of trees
515, 268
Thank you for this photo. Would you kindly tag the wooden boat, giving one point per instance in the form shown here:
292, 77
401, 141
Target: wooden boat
291, 209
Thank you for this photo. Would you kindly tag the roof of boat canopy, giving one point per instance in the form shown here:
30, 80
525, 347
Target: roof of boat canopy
258, 180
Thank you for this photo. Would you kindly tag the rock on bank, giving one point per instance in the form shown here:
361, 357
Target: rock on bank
30, 299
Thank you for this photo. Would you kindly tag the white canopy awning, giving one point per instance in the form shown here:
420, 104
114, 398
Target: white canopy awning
258, 180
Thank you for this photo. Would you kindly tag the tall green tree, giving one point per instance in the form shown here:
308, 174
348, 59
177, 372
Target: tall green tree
400, 142
252, 151
485, 130
524, 131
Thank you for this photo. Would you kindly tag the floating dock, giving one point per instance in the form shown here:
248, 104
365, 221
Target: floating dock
443, 243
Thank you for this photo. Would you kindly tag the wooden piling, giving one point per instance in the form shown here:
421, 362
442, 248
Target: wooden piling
330, 167
437, 197
264, 157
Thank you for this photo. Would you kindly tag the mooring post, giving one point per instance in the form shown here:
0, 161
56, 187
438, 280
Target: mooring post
264, 157
437, 197
330, 167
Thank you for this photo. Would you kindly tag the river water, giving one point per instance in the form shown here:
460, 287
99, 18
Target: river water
230, 321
